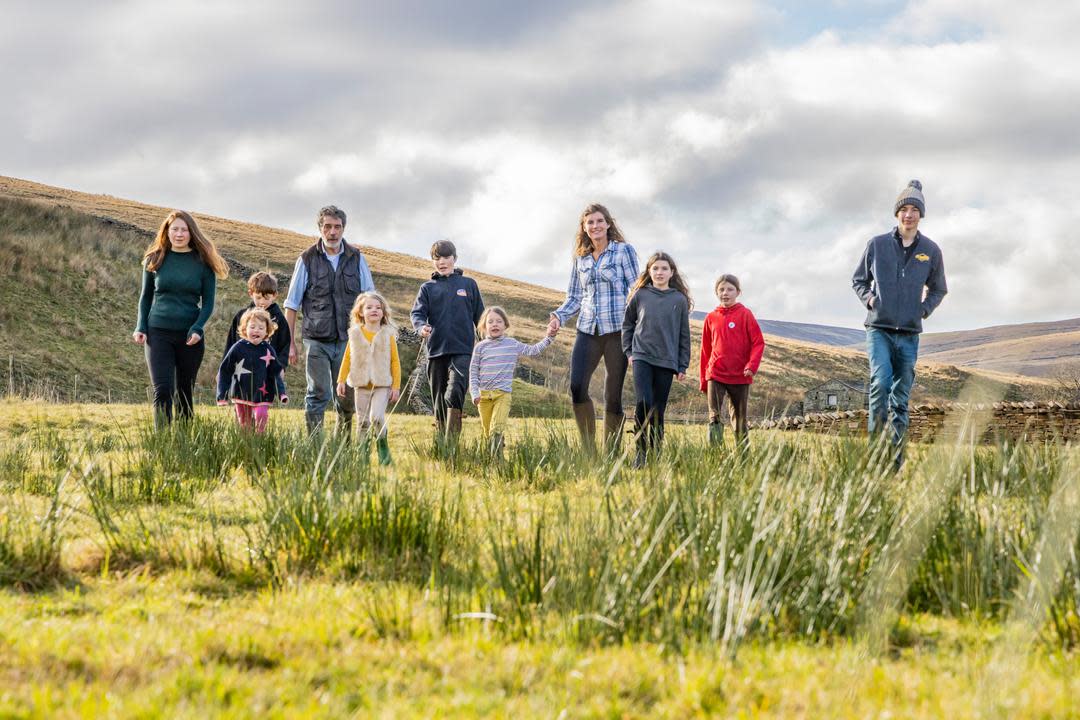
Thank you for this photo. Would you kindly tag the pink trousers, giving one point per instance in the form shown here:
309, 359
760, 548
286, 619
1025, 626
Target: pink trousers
252, 416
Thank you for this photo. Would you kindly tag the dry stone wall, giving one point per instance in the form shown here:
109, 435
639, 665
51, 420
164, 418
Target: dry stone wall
1007, 421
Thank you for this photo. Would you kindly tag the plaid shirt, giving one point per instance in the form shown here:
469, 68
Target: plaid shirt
598, 288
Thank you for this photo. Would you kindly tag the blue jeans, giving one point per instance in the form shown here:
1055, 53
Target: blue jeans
323, 361
892, 372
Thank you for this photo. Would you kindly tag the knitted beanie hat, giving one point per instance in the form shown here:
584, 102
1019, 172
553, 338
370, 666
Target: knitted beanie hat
911, 195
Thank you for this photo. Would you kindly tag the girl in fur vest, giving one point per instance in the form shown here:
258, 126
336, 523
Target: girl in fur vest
372, 368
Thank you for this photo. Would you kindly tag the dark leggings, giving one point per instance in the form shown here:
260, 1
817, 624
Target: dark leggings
653, 386
173, 366
584, 359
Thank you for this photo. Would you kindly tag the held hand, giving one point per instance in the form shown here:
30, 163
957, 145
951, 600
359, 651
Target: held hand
553, 325
341, 389
630, 359
292, 353
394, 394
194, 339
138, 337
681, 376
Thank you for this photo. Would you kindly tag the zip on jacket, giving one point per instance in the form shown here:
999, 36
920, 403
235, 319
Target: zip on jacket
896, 285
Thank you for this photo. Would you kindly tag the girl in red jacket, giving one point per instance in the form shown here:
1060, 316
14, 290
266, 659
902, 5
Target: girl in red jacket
731, 349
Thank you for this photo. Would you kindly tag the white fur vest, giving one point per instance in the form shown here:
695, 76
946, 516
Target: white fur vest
369, 362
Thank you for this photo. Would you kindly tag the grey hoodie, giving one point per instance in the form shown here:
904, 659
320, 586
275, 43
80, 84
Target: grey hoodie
656, 328
897, 286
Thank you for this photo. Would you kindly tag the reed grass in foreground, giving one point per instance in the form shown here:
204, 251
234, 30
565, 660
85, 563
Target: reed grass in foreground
544, 557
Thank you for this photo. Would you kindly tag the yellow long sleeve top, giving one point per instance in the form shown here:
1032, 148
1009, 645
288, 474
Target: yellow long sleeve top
395, 362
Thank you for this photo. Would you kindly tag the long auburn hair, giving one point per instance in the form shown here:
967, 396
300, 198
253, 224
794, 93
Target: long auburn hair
160, 247
676, 280
582, 242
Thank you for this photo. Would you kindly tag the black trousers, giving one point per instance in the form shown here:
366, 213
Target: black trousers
448, 377
173, 366
653, 386
584, 359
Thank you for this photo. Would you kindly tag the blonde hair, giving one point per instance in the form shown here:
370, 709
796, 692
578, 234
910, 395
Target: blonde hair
256, 314
356, 316
481, 326
161, 246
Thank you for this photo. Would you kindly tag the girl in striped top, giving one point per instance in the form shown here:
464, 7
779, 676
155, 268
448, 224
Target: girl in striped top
491, 372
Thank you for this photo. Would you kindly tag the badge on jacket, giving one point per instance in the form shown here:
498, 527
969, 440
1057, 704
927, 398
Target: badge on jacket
462, 292
731, 324
922, 257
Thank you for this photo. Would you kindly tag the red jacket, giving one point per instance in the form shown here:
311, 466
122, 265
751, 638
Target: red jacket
730, 343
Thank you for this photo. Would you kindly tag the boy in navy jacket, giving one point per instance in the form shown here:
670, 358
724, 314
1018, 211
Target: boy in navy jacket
900, 280
446, 312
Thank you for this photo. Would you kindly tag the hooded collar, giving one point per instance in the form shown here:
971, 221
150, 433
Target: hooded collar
439, 276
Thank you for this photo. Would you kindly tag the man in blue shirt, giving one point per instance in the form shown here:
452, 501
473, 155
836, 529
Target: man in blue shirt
900, 280
327, 278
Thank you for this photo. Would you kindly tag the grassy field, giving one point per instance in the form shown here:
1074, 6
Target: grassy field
202, 572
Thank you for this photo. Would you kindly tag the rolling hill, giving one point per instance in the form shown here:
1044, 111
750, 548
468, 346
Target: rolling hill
70, 273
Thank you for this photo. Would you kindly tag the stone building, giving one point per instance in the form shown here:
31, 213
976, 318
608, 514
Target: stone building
837, 395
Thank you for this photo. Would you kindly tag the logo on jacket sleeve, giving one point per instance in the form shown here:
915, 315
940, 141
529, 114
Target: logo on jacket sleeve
462, 292
922, 257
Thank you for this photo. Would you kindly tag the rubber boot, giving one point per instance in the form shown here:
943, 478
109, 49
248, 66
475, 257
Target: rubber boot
453, 423
642, 442
496, 445
382, 445
363, 438
314, 422
716, 434
585, 417
613, 430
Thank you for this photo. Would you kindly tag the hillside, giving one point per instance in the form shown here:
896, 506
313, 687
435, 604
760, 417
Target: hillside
68, 313
1036, 349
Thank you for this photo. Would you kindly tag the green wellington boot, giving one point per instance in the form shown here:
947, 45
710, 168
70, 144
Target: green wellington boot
382, 445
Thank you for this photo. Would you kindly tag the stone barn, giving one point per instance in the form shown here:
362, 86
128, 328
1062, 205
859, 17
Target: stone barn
837, 395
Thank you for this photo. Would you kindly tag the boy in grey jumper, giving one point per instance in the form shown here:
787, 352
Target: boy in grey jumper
901, 280
656, 339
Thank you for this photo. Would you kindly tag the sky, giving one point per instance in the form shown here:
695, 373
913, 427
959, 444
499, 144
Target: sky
765, 139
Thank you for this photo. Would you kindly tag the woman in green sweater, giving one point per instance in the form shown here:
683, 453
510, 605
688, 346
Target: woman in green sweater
180, 273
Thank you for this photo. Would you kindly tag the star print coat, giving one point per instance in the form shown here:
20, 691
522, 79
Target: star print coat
250, 374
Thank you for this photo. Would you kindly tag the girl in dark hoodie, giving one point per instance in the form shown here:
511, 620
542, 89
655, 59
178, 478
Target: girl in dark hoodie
731, 349
656, 340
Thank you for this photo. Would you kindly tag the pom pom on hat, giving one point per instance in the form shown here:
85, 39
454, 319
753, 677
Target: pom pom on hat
911, 195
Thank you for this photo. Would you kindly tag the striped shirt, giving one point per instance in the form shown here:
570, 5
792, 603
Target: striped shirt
598, 288
493, 363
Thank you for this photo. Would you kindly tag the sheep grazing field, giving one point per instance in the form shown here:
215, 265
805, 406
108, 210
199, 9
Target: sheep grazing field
202, 572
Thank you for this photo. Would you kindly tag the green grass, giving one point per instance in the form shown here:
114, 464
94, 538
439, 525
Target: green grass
203, 571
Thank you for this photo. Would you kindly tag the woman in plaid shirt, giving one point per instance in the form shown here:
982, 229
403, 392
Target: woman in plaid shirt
604, 268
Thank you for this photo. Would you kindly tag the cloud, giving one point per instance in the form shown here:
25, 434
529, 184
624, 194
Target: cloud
739, 137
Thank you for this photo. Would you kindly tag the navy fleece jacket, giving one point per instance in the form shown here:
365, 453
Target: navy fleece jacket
897, 286
451, 305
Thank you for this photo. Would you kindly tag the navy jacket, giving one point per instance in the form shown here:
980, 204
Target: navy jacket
451, 305
897, 285
280, 340
251, 374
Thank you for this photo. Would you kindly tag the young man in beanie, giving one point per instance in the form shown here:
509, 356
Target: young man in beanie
900, 280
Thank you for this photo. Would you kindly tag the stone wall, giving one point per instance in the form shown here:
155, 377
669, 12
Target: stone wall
1006, 421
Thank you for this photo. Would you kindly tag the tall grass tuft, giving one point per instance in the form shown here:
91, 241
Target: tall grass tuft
31, 544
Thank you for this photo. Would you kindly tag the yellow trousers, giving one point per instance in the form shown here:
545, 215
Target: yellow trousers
494, 407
